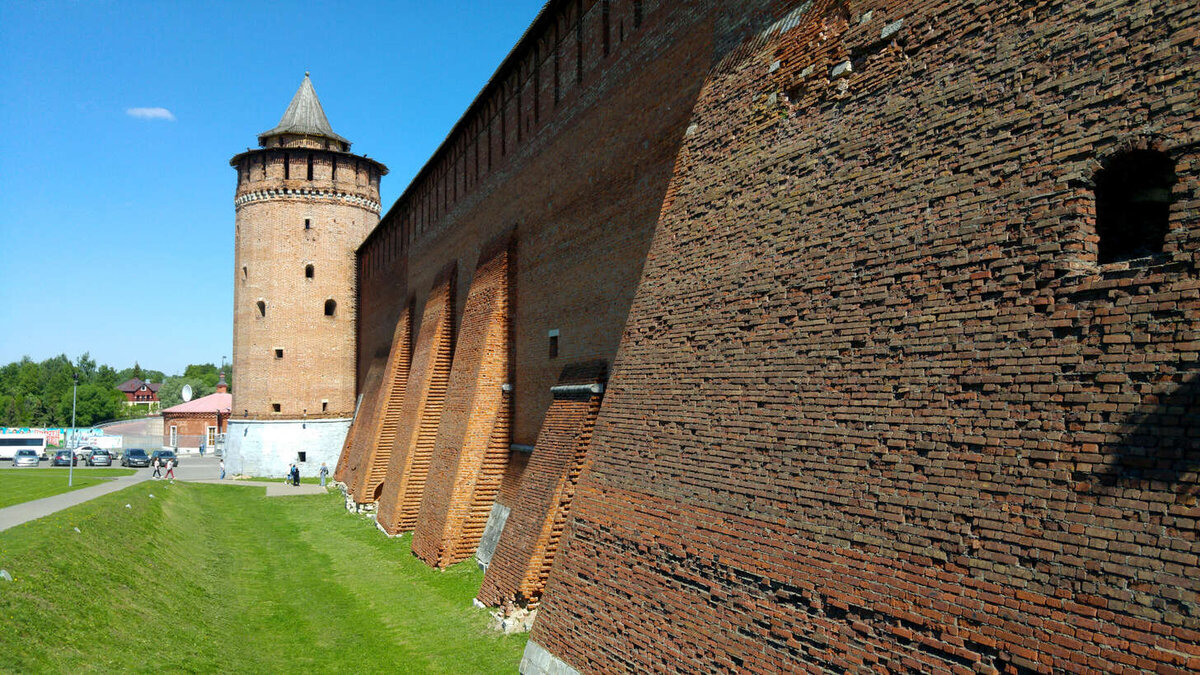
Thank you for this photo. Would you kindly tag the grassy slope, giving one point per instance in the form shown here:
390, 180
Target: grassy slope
239, 582
24, 485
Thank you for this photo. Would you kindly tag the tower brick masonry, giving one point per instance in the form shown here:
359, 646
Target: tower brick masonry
304, 203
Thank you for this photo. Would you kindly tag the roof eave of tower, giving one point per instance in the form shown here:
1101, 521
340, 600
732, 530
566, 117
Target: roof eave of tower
379, 166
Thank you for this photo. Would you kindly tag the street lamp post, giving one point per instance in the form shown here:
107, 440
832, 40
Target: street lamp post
71, 444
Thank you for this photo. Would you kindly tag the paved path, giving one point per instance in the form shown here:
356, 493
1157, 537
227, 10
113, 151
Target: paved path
27, 511
191, 469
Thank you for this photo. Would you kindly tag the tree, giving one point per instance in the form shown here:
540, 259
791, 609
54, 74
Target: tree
171, 391
93, 404
85, 365
205, 372
106, 377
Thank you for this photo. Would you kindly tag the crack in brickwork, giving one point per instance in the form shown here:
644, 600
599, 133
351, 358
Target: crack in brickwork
378, 442
530, 540
424, 398
351, 458
472, 448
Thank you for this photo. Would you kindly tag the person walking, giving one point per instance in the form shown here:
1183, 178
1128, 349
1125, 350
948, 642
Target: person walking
295, 475
324, 473
222, 469
170, 469
201, 449
157, 473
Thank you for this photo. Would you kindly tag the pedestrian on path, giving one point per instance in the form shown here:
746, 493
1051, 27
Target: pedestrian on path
295, 475
170, 469
157, 473
201, 449
324, 473
222, 469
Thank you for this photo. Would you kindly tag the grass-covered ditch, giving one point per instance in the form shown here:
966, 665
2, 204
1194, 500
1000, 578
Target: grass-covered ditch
209, 578
24, 485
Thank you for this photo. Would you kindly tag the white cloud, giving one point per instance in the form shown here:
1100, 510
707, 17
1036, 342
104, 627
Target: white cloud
150, 114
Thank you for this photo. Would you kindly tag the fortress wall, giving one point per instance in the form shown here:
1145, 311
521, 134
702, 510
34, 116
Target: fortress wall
579, 181
381, 427
472, 447
420, 410
879, 403
352, 460
522, 558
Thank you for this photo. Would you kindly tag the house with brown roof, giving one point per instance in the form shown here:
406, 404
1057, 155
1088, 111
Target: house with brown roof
204, 420
140, 392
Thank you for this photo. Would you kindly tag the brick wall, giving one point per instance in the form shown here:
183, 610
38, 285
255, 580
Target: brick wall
472, 447
580, 179
878, 404
529, 542
352, 460
380, 436
291, 353
421, 409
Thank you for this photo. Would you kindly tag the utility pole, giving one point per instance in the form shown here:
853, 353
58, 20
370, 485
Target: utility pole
71, 444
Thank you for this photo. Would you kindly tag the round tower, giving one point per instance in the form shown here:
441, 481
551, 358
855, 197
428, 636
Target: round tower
304, 203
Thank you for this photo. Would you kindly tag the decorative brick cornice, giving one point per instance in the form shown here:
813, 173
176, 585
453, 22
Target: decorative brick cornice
306, 193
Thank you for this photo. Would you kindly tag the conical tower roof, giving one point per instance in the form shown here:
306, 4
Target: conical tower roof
304, 116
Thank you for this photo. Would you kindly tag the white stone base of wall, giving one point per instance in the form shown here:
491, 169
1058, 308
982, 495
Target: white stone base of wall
538, 661
266, 448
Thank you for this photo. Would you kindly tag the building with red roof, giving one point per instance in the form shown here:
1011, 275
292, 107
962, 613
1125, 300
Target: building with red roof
203, 420
140, 392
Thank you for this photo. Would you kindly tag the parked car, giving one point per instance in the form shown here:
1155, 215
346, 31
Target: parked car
26, 458
85, 452
64, 458
163, 456
135, 457
99, 457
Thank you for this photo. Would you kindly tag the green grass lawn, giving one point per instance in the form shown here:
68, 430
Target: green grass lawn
208, 578
25, 485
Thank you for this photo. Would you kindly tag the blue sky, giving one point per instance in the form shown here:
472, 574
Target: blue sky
116, 229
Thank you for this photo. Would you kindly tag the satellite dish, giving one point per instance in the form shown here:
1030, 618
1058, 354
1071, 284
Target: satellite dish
187, 392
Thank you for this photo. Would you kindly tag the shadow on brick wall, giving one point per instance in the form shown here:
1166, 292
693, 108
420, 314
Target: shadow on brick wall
1161, 451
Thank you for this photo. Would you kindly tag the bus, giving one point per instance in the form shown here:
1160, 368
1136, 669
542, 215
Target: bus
11, 443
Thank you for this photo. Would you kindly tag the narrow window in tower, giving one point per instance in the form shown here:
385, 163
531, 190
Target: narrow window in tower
637, 13
324, 405
604, 18
310, 166
287, 165
279, 353
1133, 204
307, 224
330, 307
275, 407
262, 308
333, 168
244, 272
308, 271
263, 157
554, 344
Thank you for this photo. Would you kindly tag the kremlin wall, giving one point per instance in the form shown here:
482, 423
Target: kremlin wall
773, 336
